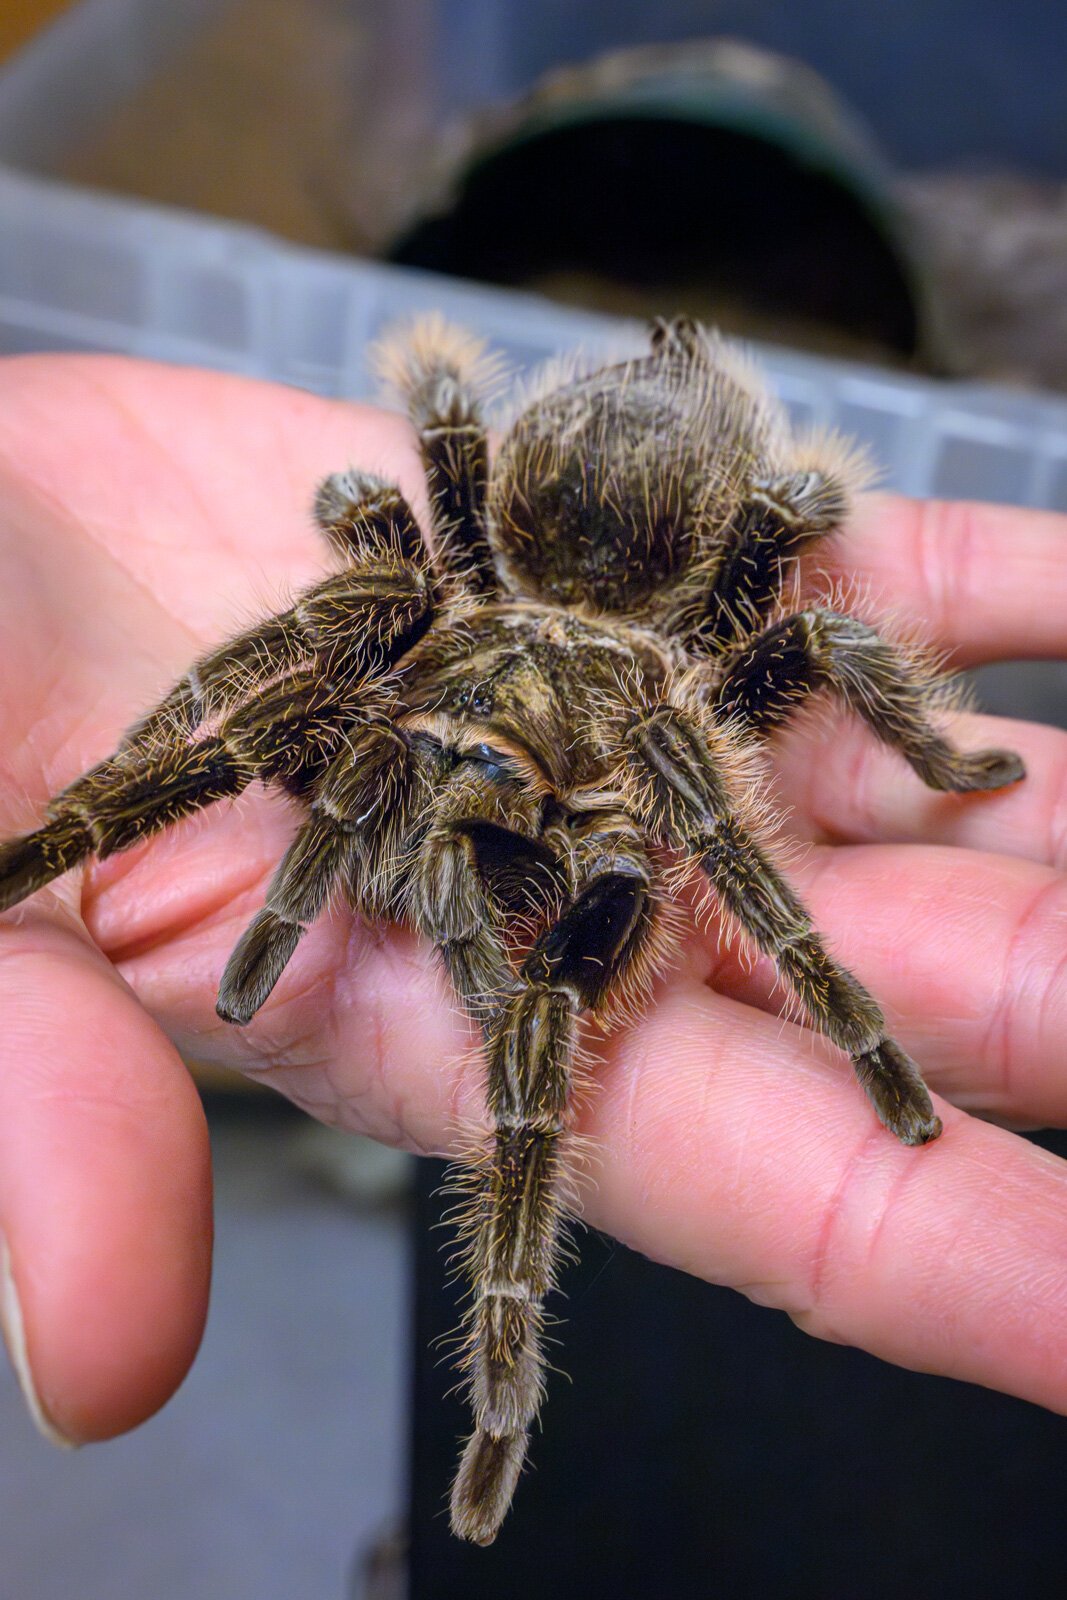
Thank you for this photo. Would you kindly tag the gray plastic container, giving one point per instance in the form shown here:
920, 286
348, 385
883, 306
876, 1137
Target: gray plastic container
85, 271
80, 270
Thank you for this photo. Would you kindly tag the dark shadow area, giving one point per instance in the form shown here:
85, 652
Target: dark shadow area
681, 208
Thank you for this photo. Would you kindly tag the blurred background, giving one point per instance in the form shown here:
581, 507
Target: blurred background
878, 198
891, 185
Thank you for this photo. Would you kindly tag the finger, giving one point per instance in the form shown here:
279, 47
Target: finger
105, 1197
852, 789
731, 1147
731, 1144
987, 582
964, 953
962, 949
739, 1147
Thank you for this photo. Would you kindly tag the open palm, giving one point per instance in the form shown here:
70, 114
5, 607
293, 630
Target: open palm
147, 512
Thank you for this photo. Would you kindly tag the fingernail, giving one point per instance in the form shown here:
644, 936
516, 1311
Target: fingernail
14, 1330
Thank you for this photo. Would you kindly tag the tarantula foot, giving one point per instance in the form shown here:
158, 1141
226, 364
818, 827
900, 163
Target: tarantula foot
22, 870
987, 769
485, 1484
897, 1092
255, 966
29, 862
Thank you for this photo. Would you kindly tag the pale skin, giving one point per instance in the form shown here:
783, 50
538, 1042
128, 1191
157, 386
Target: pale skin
148, 512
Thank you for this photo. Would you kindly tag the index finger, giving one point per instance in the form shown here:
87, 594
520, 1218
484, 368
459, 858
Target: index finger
986, 582
105, 1190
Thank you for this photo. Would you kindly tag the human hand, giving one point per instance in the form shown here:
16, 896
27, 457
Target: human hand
146, 513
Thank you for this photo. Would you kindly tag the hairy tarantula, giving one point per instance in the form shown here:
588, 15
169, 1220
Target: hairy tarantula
523, 739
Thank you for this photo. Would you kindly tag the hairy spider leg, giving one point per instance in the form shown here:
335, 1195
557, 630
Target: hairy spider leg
276, 721
354, 621
777, 518
451, 899
286, 735
360, 514
514, 1224
361, 811
439, 371
773, 674
116, 804
680, 792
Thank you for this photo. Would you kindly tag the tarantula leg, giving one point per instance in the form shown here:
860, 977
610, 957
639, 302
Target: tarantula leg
821, 649
451, 900
356, 621
360, 810
217, 681
516, 1219
116, 804
361, 514
29, 862
593, 840
682, 795
439, 370
287, 735
778, 517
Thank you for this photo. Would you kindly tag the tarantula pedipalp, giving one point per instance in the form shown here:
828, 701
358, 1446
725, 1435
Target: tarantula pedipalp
501, 740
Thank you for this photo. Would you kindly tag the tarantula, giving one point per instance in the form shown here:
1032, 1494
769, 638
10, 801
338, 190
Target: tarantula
522, 738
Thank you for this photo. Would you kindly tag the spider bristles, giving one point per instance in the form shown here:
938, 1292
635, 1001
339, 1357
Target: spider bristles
411, 353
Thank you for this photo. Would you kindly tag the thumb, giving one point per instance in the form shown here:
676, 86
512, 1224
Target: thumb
105, 1188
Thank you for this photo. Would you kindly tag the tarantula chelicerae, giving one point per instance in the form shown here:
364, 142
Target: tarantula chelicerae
516, 738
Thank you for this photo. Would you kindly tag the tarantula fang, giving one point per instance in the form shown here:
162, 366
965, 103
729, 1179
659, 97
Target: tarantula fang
501, 736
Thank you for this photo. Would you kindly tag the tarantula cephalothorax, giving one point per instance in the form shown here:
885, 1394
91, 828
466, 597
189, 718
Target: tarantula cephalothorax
502, 739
